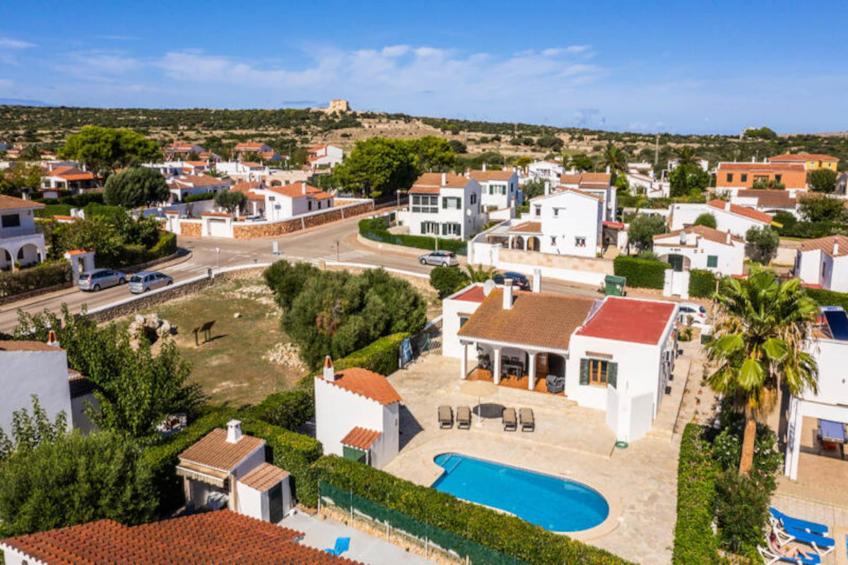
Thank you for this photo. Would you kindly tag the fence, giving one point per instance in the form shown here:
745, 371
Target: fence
433, 539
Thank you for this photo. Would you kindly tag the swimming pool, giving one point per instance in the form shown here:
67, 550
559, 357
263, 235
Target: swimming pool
556, 504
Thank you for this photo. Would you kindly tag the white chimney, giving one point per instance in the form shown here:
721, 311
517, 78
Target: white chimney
484, 165
727, 238
835, 247
233, 431
329, 372
727, 206
507, 294
537, 280
54, 341
303, 187
444, 179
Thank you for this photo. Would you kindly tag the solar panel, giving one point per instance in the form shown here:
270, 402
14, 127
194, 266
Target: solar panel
838, 322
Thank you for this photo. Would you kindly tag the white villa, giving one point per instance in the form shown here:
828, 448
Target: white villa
612, 354
20, 243
568, 222
498, 189
189, 185
596, 184
648, 184
444, 205
701, 247
67, 179
823, 263
545, 171
275, 203
357, 415
729, 217
324, 156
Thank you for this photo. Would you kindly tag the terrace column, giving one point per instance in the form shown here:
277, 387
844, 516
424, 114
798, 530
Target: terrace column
531, 385
496, 371
796, 424
464, 364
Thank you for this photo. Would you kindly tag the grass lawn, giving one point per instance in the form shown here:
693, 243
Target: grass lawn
242, 362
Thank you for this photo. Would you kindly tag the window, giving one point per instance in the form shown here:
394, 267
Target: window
309, 205
462, 320
10, 220
712, 261
451, 229
474, 199
556, 212
744, 177
598, 372
451, 203
538, 210
429, 228
553, 240
777, 178
425, 204
579, 241
729, 177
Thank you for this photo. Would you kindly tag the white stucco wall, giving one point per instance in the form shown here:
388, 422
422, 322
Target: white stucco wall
42, 373
453, 311
731, 258
564, 217
683, 215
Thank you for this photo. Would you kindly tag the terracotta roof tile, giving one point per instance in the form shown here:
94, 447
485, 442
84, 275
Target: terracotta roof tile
483, 176
770, 198
213, 450
11, 202
473, 294
368, 384
535, 319
826, 244
741, 211
627, 319
802, 157
706, 232
435, 180
528, 227
263, 477
586, 180
211, 537
26, 345
299, 189
361, 438
761, 167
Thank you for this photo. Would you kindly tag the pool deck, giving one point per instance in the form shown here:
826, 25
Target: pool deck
639, 482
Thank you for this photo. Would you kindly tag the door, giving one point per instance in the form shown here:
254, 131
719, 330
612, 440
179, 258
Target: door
218, 228
353, 454
676, 262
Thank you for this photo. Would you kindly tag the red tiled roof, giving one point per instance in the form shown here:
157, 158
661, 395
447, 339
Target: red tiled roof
12, 202
613, 225
625, 319
528, 227
300, 189
708, 233
26, 345
76, 252
368, 384
586, 180
825, 244
435, 180
770, 198
764, 167
264, 476
211, 537
473, 294
741, 211
200, 180
491, 175
213, 450
802, 157
361, 438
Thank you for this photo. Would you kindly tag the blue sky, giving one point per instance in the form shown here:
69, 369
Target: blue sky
692, 66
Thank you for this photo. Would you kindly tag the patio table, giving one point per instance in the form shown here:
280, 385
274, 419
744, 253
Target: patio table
833, 432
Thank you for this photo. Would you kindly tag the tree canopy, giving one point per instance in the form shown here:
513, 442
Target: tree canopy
822, 209
105, 150
230, 200
643, 228
138, 186
378, 166
762, 243
822, 180
706, 219
686, 178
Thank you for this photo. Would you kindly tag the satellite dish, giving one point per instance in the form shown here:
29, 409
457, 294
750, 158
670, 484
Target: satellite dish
488, 287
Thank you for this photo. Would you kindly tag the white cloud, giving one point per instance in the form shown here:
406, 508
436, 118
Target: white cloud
9, 43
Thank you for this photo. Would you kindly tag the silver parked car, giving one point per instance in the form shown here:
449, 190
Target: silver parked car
148, 280
440, 259
99, 279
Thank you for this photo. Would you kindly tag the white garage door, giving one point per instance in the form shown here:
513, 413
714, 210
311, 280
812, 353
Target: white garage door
218, 228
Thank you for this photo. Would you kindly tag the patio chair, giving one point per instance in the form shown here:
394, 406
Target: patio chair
463, 417
445, 417
528, 421
787, 521
821, 544
771, 557
342, 545
510, 422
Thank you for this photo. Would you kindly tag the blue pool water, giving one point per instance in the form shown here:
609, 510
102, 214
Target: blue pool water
555, 504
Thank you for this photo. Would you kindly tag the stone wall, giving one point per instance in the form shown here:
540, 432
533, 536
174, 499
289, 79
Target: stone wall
261, 229
535, 259
190, 228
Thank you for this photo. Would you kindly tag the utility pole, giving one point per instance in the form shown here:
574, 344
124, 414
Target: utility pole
657, 150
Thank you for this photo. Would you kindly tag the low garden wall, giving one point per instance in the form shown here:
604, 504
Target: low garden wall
255, 230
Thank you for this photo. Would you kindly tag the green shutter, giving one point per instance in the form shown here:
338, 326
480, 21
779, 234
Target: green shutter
612, 374
584, 371
712, 261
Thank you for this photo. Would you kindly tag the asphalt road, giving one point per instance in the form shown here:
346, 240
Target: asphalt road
333, 242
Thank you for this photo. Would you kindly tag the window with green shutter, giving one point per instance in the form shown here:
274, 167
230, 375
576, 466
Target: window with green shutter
712, 261
599, 372
584, 371
612, 374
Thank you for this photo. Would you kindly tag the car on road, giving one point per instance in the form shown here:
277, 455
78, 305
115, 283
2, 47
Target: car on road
98, 279
440, 259
148, 280
518, 280
691, 313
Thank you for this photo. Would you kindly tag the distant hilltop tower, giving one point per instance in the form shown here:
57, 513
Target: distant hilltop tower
339, 105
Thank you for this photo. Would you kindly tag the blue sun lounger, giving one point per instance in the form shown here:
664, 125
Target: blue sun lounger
821, 544
342, 545
770, 558
798, 524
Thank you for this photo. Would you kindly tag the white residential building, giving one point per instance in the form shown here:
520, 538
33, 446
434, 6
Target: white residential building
357, 415
568, 222
189, 185
597, 184
703, 163
769, 201
729, 217
20, 243
276, 203
823, 263
648, 185
67, 179
612, 354
444, 205
545, 171
498, 189
324, 156
242, 170
701, 247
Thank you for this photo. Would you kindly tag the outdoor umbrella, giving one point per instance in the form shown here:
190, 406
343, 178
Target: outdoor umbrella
479, 389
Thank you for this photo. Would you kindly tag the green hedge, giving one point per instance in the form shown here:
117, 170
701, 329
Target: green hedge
828, 297
812, 230
136, 254
51, 210
641, 273
199, 197
376, 229
695, 543
289, 409
507, 534
380, 356
702, 283
48, 273
293, 452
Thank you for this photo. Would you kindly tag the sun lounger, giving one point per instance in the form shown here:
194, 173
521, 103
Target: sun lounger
463, 417
342, 545
510, 422
823, 545
770, 558
445, 417
528, 421
790, 522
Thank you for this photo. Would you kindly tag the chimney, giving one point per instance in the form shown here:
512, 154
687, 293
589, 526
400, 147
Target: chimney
727, 238
303, 188
537, 280
329, 372
507, 294
835, 247
52, 339
727, 206
484, 165
444, 179
233, 431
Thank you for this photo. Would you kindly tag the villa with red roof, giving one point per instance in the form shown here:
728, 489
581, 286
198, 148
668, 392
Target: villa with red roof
324, 156
612, 354
67, 179
733, 218
263, 150
732, 177
357, 415
444, 205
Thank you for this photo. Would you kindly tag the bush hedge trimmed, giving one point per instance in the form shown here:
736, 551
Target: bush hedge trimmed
289, 409
48, 273
380, 356
828, 297
377, 229
702, 283
136, 254
641, 273
502, 532
695, 543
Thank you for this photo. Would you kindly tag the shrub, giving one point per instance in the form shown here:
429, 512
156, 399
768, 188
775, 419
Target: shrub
706, 219
761, 244
821, 296
376, 229
93, 209
502, 532
289, 409
380, 356
741, 512
641, 273
43, 275
702, 283
51, 210
447, 280
199, 197
167, 245
812, 230
694, 540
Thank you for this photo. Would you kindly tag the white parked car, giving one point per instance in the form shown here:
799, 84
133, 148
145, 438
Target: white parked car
692, 314
147, 280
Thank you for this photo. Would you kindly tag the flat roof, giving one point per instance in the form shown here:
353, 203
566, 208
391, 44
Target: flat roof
627, 319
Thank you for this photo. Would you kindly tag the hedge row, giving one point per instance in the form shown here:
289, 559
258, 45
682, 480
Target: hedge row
48, 273
380, 356
702, 283
812, 230
641, 273
508, 534
695, 543
136, 254
377, 229
828, 297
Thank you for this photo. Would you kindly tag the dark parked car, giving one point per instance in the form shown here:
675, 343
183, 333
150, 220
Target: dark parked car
101, 278
440, 259
518, 280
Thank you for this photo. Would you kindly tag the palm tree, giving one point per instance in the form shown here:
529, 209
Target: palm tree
685, 155
615, 159
480, 273
761, 328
